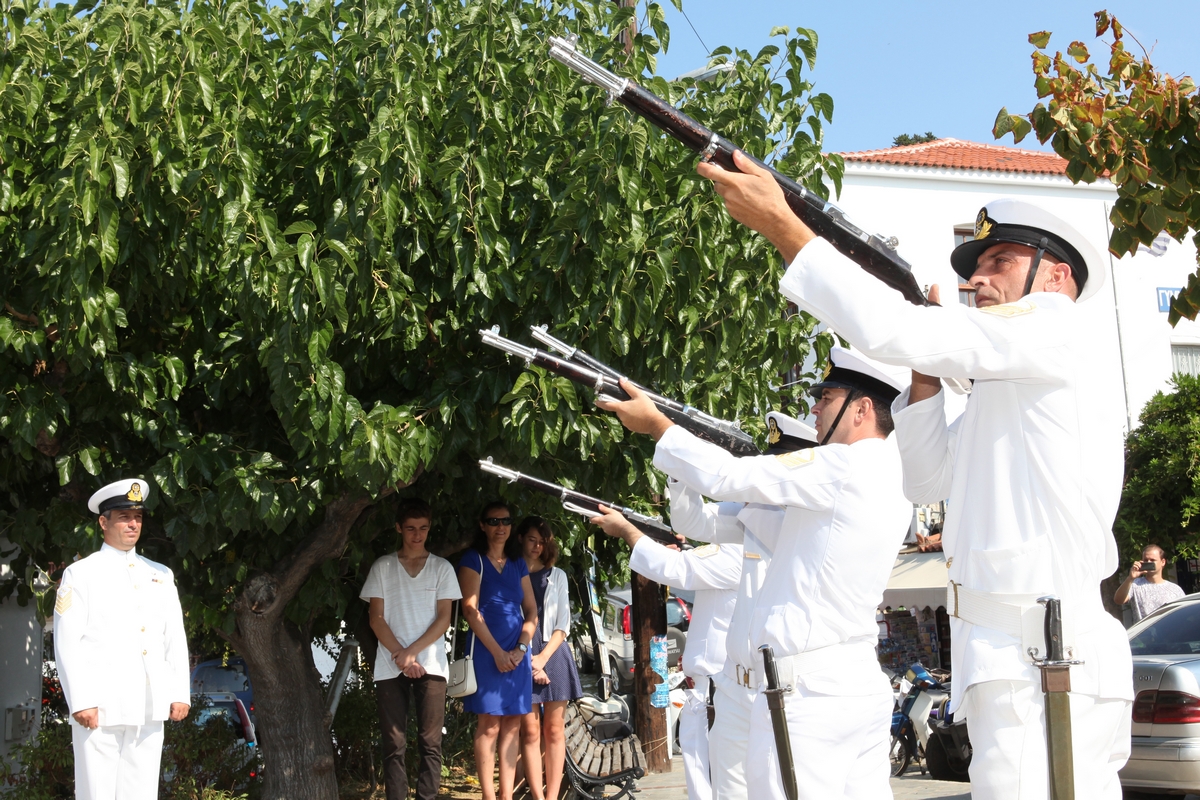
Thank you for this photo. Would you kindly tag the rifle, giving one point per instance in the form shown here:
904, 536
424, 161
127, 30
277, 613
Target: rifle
872, 252
585, 505
726, 435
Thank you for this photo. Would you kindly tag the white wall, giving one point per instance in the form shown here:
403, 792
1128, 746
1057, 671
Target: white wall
921, 206
20, 661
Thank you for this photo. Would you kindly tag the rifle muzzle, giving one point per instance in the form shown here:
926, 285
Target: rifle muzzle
563, 51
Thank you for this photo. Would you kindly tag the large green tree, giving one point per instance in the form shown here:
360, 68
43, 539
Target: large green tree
1130, 123
247, 248
1160, 503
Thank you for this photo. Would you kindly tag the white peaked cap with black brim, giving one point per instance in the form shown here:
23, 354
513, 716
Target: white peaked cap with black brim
786, 433
1021, 222
131, 493
852, 370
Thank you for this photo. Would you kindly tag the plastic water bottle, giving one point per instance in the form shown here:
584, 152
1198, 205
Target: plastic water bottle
660, 698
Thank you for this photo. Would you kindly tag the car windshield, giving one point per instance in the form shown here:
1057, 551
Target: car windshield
1176, 632
220, 679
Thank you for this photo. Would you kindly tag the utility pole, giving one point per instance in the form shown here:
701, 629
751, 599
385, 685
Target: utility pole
649, 619
633, 27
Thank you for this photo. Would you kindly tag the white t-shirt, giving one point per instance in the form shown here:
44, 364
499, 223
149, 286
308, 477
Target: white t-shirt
1147, 597
410, 607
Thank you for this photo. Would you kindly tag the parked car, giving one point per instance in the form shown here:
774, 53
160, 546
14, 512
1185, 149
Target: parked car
214, 676
1165, 757
618, 630
228, 706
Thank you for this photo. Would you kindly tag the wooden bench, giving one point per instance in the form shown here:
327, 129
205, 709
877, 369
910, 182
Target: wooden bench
594, 763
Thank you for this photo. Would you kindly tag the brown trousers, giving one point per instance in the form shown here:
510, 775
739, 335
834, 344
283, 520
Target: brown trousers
392, 695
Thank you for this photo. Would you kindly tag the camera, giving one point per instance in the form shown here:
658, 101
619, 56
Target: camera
1149, 566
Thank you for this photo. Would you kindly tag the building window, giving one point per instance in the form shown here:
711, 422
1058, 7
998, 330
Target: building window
966, 294
1186, 358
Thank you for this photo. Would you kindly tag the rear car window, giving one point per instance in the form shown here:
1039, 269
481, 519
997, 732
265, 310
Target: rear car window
220, 679
674, 612
1174, 633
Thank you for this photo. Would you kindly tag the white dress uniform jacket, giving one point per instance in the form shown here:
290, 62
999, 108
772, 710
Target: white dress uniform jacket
119, 640
1032, 468
712, 572
748, 526
845, 518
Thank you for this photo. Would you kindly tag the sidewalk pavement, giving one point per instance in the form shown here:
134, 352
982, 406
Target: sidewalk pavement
671, 786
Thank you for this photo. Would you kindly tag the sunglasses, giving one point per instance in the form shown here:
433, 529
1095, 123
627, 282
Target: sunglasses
495, 521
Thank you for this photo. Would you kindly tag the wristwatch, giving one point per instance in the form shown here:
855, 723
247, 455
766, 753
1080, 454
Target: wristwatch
524, 648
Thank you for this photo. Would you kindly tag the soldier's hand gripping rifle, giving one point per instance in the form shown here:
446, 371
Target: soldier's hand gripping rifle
873, 253
587, 506
724, 434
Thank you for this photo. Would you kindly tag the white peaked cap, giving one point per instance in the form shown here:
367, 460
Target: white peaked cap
1018, 221
130, 493
781, 425
851, 369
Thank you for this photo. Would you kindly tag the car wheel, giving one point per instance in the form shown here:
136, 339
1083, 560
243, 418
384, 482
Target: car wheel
620, 682
941, 768
899, 756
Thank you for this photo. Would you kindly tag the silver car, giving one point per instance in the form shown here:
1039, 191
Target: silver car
1166, 707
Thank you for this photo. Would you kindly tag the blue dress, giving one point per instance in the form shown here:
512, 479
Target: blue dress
560, 667
500, 694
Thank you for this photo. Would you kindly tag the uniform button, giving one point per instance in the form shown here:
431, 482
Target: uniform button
143, 629
143, 652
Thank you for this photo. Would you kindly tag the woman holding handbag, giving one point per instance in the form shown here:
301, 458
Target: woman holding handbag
500, 609
555, 676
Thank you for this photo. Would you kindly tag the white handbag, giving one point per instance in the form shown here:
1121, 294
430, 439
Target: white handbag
462, 671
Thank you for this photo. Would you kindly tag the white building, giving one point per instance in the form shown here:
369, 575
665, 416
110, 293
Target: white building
927, 195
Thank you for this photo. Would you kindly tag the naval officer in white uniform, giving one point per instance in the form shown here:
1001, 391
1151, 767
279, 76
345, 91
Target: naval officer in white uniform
845, 518
121, 653
756, 528
712, 572
1032, 468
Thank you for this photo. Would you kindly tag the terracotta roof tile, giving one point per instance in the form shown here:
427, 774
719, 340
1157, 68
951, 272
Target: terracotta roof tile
957, 154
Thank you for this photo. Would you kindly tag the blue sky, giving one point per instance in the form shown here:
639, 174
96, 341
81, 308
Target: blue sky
911, 67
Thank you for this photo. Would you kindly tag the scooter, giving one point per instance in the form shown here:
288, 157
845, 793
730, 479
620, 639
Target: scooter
910, 724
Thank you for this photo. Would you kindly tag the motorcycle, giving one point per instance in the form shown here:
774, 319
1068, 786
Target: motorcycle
911, 727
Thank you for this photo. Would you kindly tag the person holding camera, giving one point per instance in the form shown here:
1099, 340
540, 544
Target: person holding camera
1146, 587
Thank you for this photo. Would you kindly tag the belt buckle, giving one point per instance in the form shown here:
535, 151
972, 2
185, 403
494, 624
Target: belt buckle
955, 612
743, 676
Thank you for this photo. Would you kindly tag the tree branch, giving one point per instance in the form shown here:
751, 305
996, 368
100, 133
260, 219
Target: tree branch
270, 592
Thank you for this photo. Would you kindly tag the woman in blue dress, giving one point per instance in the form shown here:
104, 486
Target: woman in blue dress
499, 606
555, 676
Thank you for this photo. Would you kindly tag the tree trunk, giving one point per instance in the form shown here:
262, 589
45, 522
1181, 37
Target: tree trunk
650, 723
297, 749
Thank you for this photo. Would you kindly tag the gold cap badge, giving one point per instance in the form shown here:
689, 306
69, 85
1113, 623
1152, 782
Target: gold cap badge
135, 493
983, 225
773, 434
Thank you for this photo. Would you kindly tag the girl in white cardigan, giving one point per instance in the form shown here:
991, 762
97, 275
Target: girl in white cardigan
555, 676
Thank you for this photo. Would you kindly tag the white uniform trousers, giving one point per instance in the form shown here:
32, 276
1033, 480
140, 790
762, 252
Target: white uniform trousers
839, 746
117, 762
728, 739
693, 741
1007, 726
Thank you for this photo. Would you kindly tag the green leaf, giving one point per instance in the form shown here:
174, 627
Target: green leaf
1040, 39
303, 226
120, 169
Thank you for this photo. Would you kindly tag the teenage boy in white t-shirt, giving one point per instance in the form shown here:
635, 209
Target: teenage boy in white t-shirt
411, 593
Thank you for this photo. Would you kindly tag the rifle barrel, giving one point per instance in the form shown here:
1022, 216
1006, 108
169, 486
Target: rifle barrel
873, 253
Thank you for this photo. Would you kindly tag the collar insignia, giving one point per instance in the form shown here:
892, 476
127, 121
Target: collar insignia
773, 433
135, 493
983, 225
